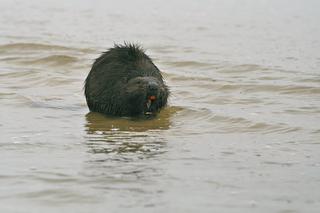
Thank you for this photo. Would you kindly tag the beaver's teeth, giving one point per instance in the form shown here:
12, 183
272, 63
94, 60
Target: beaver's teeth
148, 104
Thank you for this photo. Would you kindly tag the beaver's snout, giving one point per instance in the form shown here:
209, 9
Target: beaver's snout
153, 86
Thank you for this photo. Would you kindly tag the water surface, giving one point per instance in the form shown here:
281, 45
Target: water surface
241, 132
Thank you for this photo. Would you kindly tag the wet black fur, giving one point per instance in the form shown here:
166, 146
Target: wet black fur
119, 83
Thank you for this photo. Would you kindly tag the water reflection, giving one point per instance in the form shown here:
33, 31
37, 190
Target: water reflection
120, 137
118, 149
97, 122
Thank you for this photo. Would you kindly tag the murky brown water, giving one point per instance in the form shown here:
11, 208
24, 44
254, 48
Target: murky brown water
241, 133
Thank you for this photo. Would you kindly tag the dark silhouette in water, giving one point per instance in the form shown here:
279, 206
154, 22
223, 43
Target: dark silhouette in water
124, 82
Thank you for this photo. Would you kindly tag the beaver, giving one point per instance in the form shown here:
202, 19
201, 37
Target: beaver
124, 81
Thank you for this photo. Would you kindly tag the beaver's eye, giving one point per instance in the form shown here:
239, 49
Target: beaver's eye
139, 82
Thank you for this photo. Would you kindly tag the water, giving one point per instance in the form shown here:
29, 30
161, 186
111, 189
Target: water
241, 132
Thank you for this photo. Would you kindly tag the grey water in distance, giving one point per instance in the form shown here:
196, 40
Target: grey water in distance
241, 132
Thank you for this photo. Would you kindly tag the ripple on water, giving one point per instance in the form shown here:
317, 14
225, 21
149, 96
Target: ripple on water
125, 135
21, 47
53, 60
191, 64
206, 121
235, 79
44, 55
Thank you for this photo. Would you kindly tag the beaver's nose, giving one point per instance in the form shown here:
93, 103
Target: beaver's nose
153, 86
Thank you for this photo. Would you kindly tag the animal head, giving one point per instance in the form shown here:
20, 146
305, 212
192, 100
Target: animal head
145, 95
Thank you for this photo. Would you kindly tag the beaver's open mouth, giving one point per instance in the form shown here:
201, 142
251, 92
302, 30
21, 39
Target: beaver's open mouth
149, 105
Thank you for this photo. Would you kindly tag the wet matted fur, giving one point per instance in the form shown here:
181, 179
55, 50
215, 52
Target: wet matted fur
123, 81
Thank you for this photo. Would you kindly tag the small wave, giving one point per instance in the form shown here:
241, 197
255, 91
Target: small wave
228, 124
283, 164
184, 78
32, 47
17, 74
316, 131
191, 64
236, 124
315, 79
62, 195
54, 60
254, 88
300, 90
243, 68
245, 85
